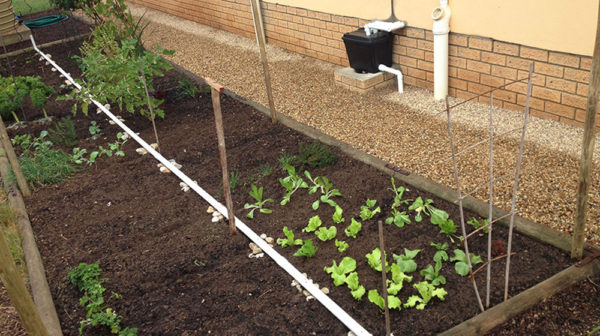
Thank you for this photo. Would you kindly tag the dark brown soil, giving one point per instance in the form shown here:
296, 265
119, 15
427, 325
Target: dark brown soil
181, 274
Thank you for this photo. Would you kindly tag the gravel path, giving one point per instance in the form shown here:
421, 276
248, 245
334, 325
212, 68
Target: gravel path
406, 130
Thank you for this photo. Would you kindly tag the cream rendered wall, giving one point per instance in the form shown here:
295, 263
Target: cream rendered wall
559, 25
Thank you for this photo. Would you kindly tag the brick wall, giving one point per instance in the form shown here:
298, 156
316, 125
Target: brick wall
476, 64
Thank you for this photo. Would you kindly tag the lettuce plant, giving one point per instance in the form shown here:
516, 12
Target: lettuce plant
291, 183
257, 194
337, 215
325, 234
462, 265
374, 259
289, 238
356, 289
427, 292
353, 229
393, 301
313, 224
405, 261
398, 218
306, 250
367, 212
432, 273
341, 245
420, 207
338, 272
394, 286
321, 183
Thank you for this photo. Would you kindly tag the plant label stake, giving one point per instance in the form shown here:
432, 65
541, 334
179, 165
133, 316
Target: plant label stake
215, 91
388, 328
17, 292
260, 38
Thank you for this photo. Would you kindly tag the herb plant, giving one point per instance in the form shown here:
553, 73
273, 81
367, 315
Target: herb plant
291, 183
427, 292
406, 261
353, 229
94, 130
325, 234
14, 92
341, 245
313, 223
462, 265
289, 238
367, 212
257, 194
307, 250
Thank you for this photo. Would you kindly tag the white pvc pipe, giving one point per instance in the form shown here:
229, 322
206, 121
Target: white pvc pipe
336, 310
373, 27
441, 28
398, 73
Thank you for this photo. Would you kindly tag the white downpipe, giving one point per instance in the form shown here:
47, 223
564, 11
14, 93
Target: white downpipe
398, 73
336, 310
441, 28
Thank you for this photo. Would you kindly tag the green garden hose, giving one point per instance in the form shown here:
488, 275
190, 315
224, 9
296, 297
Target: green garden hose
44, 21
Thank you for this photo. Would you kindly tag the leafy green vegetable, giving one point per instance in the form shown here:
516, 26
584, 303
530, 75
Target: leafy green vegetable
420, 206
398, 218
427, 292
357, 290
313, 224
398, 277
322, 183
291, 183
477, 224
353, 228
393, 302
374, 259
462, 265
338, 272
257, 194
341, 245
289, 240
367, 212
325, 234
307, 250
405, 261
432, 273
337, 215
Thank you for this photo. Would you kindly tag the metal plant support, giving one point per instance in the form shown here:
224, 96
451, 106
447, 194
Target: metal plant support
490, 185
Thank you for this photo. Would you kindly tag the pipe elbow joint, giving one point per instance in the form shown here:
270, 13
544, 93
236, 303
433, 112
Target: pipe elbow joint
441, 20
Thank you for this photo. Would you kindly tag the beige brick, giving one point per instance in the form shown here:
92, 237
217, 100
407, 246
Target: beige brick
580, 115
464, 94
491, 80
470, 76
350, 21
457, 83
415, 32
301, 12
477, 88
505, 96
546, 94
429, 56
425, 45
574, 100
493, 58
420, 74
586, 63
549, 69
424, 65
478, 66
416, 53
517, 62
506, 48
404, 60
563, 59
428, 35
337, 18
408, 41
561, 84
452, 92
410, 80
571, 122
560, 110
458, 39
536, 79
430, 76
457, 62
534, 53
511, 106
543, 115
533, 102
577, 75
396, 49
322, 16
452, 71
480, 43
504, 72
582, 89
469, 53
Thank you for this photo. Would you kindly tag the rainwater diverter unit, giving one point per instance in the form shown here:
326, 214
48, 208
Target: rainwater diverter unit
441, 28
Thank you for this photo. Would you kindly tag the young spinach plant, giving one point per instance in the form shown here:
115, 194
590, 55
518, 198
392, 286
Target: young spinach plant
257, 194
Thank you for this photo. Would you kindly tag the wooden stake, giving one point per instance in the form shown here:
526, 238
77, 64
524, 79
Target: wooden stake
17, 292
587, 152
388, 329
215, 90
260, 37
14, 162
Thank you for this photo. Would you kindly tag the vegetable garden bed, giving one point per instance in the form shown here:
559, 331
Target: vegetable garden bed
180, 274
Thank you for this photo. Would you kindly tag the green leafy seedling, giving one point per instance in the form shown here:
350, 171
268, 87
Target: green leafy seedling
257, 194
353, 229
313, 224
325, 234
420, 207
291, 183
477, 224
307, 249
406, 260
432, 273
393, 301
374, 260
341, 245
394, 286
338, 215
367, 212
289, 238
427, 292
338, 272
356, 289
462, 265
321, 183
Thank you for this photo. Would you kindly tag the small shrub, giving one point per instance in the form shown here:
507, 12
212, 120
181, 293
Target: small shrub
315, 155
63, 133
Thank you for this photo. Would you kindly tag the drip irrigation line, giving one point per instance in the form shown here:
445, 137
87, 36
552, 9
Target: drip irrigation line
325, 300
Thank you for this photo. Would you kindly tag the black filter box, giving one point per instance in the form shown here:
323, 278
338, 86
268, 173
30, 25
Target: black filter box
365, 53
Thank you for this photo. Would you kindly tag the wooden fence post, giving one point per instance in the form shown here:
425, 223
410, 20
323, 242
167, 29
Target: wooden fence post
17, 292
215, 90
587, 152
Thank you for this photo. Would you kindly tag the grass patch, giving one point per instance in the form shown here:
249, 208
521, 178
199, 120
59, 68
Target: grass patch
46, 166
23, 7
8, 224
